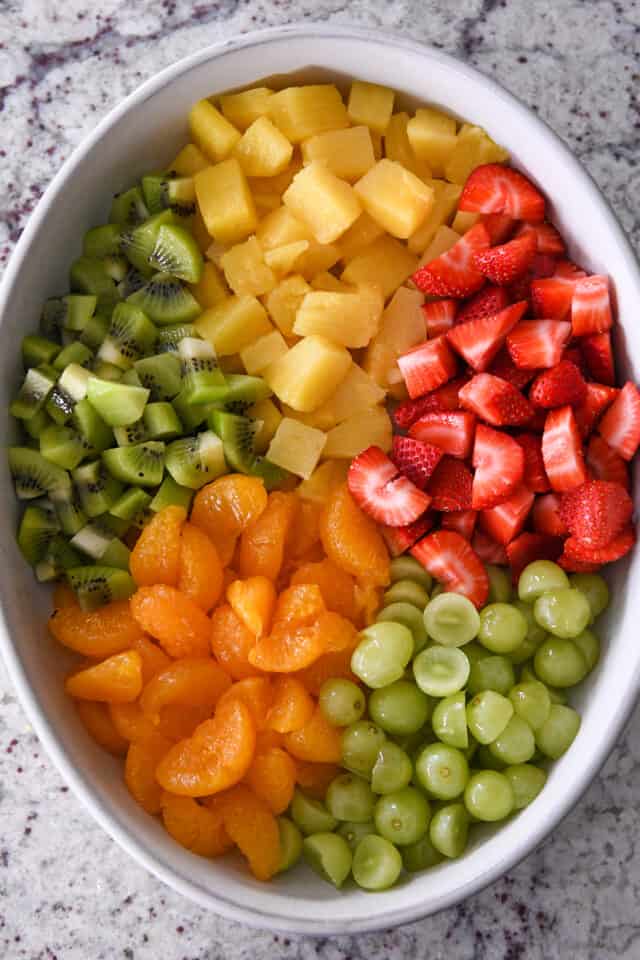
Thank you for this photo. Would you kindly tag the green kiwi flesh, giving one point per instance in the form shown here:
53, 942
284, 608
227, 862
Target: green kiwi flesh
96, 585
165, 299
141, 463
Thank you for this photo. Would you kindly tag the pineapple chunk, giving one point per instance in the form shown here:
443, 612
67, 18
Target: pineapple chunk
233, 324
211, 288
474, 147
350, 319
242, 109
263, 352
212, 132
464, 220
395, 198
327, 281
279, 183
376, 140
231, 364
283, 302
446, 200
269, 417
301, 112
309, 373
326, 204
215, 252
386, 262
397, 147
347, 153
283, 259
357, 392
263, 151
245, 270
444, 238
317, 258
296, 447
402, 327
189, 161
199, 230
323, 481
225, 202
371, 104
280, 228
362, 430
363, 232
432, 134
265, 203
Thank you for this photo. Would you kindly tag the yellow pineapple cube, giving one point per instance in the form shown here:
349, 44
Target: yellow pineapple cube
463, 221
243, 108
296, 447
432, 134
189, 161
397, 147
279, 183
363, 232
443, 239
301, 112
357, 392
280, 228
379, 361
308, 374
386, 262
233, 324
401, 328
245, 270
265, 203
263, 352
269, 417
199, 230
325, 203
446, 200
350, 319
326, 478
317, 258
473, 148
231, 364
327, 281
378, 146
263, 151
371, 104
283, 259
225, 202
347, 153
395, 198
283, 302
211, 288
362, 430
212, 132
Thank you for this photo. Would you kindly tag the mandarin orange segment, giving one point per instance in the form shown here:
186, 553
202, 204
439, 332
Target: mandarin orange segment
272, 776
368, 598
215, 757
154, 659
64, 596
115, 680
196, 827
97, 722
299, 605
195, 682
305, 530
130, 722
337, 664
256, 693
179, 626
143, 756
336, 586
226, 507
337, 632
231, 642
267, 739
263, 542
253, 827
288, 648
155, 557
201, 572
314, 778
175, 722
97, 633
292, 706
316, 742
351, 539
253, 601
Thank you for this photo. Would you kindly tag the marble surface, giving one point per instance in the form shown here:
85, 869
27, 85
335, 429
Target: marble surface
66, 891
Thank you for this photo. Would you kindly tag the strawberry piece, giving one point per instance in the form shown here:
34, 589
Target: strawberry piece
605, 464
450, 559
591, 306
543, 265
596, 512
537, 422
538, 343
439, 316
451, 431
558, 386
551, 297
562, 450
548, 240
504, 367
415, 459
479, 340
598, 355
445, 398
567, 270
488, 550
450, 486
597, 398
453, 274
505, 263
529, 547
462, 521
576, 550
574, 354
427, 367
499, 465
534, 477
546, 516
506, 520
376, 486
401, 539
496, 401
499, 226
620, 426
486, 303
494, 188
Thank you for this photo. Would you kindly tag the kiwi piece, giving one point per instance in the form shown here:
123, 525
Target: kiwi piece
70, 388
166, 300
171, 494
238, 437
52, 318
97, 585
36, 477
140, 463
97, 489
37, 529
131, 505
202, 379
97, 541
118, 404
194, 461
96, 434
129, 208
78, 310
131, 378
37, 350
34, 392
70, 515
138, 242
131, 282
37, 423
89, 275
161, 375
107, 371
102, 241
59, 558
131, 434
62, 446
75, 352
96, 327
169, 337
273, 475
162, 192
161, 421
176, 252
131, 335
244, 389
191, 415
117, 268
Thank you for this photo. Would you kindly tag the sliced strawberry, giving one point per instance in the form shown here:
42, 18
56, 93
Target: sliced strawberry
537, 422
445, 398
505, 521
534, 477
576, 550
558, 386
401, 539
462, 521
546, 516
529, 547
450, 486
597, 398
439, 316
548, 239
596, 512
575, 355
479, 340
499, 465
427, 367
453, 274
620, 426
451, 431
568, 270
489, 301
542, 265
562, 450
605, 464
496, 401
376, 486
598, 355
504, 367
494, 188
538, 343
591, 306
414, 459
505, 263
551, 296
450, 559
499, 226
488, 549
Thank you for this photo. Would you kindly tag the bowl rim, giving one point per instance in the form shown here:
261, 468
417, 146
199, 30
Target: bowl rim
111, 823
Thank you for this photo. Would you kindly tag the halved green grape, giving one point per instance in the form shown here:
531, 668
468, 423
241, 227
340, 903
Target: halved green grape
564, 613
399, 708
451, 620
535, 634
329, 855
449, 829
410, 617
516, 743
361, 742
488, 714
392, 770
406, 591
442, 771
376, 863
420, 855
489, 796
531, 702
528, 676
412, 742
441, 671
449, 721
485, 760
526, 782
382, 654
290, 844
560, 663
539, 577
403, 816
502, 628
341, 701
491, 673
558, 732
310, 815
589, 645
349, 797
354, 832
472, 749
595, 589
408, 568
500, 590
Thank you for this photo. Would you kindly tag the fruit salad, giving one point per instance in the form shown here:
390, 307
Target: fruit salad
323, 451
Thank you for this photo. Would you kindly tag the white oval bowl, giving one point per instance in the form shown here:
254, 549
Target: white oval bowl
144, 133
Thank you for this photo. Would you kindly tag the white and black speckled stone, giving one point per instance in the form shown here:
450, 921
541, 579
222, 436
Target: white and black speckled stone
66, 891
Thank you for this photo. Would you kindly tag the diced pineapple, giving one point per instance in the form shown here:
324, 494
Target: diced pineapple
283, 302
211, 288
189, 161
266, 412
350, 319
446, 200
323, 481
233, 324
395, 198
444, 238
363, 232
357, 392
280, 228
225, 202
347, 153
317, 258
231, 364
327, 281
464, 220
379, 361
279, 183
283, 259
199, 230
296, 447
265, 203
378, 146
263, 150
371, 104
326, 204
215, 252
241, 109
402, 327
264, 351
386, 262
301, 112
245, 270
362, 430
212, 132
474, 147
432, 134
398, 148
309, 373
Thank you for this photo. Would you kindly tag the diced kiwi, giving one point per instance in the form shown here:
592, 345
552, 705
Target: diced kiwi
176, 252
191, 415
96, 540
37, 529
97, 585
118, 404
117, 268
97, 489
129, 208
194, 461
133, 433
166, 192
52, 318
59, 558
161, 421
89, 275
131, 282
96, 434
96, 327
36, 477
34, 392
161, 375
70, 514
138, 242
37, 423
107, 371
203, 380
166, 300
141, 463
75, 352
78, 310
37, 350
131, 504
169, 337
70, 389
131, 378
171, 494
238, 437
241, 388
273, 475
131, 335
102, 241
63, 446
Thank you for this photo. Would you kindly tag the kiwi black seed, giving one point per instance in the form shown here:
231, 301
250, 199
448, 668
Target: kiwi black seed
166, 300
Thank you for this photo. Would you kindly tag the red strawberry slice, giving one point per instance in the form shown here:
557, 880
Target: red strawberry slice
537, 422
574, 354
427, 367
605, 464
534, 477
568, 270
376, 486
505, 263
451, 431
445, 398
620, 426
462, 521
562, 450
504, 367
529, 547
450, 559
401, 539
591, 306
558, 386
596, 512
598, 355
542, 265
439, 316
486, 303
538, 343
506, 521
414, 459
479, 340
546, 516
499, 226
494, 188
552, 296
499, 465
450, 486
488, 550
453, 274
496, 401
597, 398
576, 550
548, 239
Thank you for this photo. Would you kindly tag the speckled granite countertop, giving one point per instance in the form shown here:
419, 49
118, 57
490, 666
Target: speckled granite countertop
66, 891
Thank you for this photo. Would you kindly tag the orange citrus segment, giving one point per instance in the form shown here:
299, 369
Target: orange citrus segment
317, 741
97, 722
156, 555
130, 722
198, 828
336, 586
253, 601
256, 693
292, 706
201, 574
143, 756
352, 540
179, 626
272, 776
115, 680
314, 778
253, 827
185, 683
224, 508
154, 659
336, 664
97, 633
263, 542
231, 642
